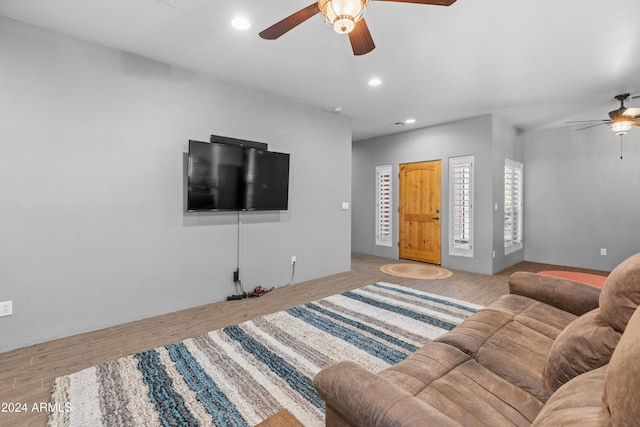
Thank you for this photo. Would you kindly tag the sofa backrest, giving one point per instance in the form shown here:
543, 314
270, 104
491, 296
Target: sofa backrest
588, 342
585, 344
622, 381
621, 293
606, 396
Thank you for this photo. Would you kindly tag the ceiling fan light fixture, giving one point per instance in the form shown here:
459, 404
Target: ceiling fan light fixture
344, 24
621, 127
342, 15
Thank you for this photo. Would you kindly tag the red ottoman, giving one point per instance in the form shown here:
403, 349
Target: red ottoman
592, 279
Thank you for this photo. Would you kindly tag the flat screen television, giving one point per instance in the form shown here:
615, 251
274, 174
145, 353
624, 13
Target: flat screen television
223, 177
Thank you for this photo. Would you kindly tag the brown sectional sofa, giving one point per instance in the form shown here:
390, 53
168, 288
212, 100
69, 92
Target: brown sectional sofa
551, 352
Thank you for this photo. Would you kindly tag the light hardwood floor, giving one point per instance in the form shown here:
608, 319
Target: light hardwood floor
26, 374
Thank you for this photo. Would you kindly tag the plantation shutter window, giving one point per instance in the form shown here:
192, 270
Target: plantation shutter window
513, 205
461, 206
383, 205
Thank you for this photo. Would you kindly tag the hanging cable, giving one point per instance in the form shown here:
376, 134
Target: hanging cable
238, 245
238, 282
241, 293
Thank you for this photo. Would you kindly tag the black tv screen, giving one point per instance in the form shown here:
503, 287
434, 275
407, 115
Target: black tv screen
267, 183
228, 177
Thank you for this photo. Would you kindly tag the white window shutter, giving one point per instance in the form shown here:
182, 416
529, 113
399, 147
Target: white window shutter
461, 206
513, 205
383, 205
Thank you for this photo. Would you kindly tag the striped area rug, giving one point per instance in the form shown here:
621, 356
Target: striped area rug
242, 374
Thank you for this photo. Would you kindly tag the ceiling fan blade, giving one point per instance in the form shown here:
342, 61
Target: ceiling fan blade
290, 22
616, 115
632, 112
360, 38
586, 121
592, 126
432, 2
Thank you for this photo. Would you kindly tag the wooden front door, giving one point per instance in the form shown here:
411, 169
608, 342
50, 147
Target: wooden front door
419, 211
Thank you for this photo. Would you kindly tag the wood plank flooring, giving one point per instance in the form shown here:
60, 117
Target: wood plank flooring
283, 418
26, 374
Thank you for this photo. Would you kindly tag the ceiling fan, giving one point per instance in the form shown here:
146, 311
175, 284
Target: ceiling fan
620, 120
345, 16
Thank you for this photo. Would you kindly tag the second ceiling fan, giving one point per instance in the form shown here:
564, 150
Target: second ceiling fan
345, 16
620, 120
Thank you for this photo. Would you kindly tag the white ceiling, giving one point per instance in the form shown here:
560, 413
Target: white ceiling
535, 63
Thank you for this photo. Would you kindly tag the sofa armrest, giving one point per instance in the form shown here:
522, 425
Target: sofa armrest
568, 295
362, 398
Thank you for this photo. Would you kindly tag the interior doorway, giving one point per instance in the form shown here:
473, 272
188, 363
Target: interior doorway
419, 211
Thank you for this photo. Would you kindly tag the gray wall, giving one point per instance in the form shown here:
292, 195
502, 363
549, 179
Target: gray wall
92, 220
580, 197
461, 138
489, 139
508, 142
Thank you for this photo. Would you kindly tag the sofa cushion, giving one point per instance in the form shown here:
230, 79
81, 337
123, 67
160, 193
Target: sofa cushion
621, 293
512, 338
470, 335
580, 403
568, 295
357, 397
587, 343
622, 383
454, 384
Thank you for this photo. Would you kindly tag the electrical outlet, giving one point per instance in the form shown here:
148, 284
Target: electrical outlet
6, 308
603, 251
293, 259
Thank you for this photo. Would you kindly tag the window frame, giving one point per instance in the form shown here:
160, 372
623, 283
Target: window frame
384, 205
513, 206
461, 205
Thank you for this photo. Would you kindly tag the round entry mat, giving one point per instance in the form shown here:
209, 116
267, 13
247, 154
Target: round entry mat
416, 271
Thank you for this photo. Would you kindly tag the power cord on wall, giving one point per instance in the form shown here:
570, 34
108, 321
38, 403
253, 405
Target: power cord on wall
259, 290
240, 292
293, 273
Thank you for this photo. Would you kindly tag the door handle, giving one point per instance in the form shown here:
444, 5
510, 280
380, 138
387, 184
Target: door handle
436, 218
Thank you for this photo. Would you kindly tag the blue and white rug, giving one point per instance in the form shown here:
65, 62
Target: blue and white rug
243, 374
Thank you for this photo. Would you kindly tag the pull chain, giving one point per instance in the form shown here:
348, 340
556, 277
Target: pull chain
620, 147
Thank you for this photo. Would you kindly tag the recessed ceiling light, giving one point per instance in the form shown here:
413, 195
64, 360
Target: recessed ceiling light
375, 82
410, 121
240, 23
